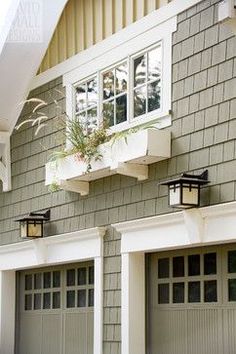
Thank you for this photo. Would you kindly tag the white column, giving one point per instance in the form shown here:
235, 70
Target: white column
98, 305
7, 311
133, 303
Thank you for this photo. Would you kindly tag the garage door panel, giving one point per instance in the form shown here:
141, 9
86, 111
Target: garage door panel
229, 328
168, 331
51, 334
90, 332
192, 301
76, 333
30, 324
204, 331
56, 314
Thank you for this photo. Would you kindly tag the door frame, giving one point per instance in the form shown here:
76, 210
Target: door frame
73, 247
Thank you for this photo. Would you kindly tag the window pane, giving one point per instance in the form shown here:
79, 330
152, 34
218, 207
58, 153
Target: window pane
92, 89
194, 291
232, 289
70, 298
178, 266
232, 261
28, 302
139, 101
210, 291
46, 300
81, 301
140, 69
108, 112
56, 300
154, 64
121, 110
28, 282
194, 264
108, 85
70, 277
81, 276
91, 297
46, 280
121, 78
153, 96
163, 268
91, 275
37, 301
92, 120
80, 98
209, 263
178, 293
56, 279
37, 281
163, 293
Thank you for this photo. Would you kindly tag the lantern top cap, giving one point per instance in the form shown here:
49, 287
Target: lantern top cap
36, 216
188, 178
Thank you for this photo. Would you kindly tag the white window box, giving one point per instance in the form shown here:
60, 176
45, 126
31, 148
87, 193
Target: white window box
129, 157
227, 13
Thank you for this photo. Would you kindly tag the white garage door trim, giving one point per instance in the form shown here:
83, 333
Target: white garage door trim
195, 227
59, 249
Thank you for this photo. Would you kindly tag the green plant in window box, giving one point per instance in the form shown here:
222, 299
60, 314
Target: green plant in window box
84, 140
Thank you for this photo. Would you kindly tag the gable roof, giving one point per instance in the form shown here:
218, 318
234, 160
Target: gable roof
26, 29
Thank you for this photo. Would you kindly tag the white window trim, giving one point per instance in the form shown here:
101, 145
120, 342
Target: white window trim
72, 247
190, 228
127, 50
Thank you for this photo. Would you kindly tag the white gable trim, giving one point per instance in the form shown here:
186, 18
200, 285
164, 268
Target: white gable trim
71, 247
143, 25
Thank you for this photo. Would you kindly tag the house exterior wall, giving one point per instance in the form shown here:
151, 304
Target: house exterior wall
87, 22
203, 136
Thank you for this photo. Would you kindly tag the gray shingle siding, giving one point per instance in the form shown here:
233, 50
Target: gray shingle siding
203, 136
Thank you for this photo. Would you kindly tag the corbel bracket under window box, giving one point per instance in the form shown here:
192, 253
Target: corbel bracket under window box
128, 157
227, 13
5, 161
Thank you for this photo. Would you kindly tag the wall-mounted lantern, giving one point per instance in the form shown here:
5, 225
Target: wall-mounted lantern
32, 226
184, 192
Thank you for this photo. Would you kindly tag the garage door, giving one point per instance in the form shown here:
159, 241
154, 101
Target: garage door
56, 310
191, 301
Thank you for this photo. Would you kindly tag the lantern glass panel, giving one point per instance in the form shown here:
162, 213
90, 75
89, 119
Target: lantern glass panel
174, 194
190, 194
35, 229
23, 229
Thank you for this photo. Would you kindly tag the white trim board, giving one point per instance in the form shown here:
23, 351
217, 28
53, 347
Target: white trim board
190, 228
72, 247
154, 19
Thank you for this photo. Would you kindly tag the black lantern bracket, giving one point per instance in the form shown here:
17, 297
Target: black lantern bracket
44, 216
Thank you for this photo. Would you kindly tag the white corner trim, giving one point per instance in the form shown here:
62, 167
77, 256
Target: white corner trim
208, 225
70, 247
146, 23
5, 161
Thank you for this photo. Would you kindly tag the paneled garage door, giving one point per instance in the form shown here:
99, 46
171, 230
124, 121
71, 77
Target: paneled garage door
191, 298
56, 310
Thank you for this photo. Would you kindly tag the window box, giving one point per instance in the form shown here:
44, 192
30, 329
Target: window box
129, 157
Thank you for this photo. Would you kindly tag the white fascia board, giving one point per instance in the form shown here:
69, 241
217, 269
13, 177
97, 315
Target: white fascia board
75, 246
143, 25
194, 227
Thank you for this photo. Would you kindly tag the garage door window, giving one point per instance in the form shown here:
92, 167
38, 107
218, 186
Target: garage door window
46, 290
188, 278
